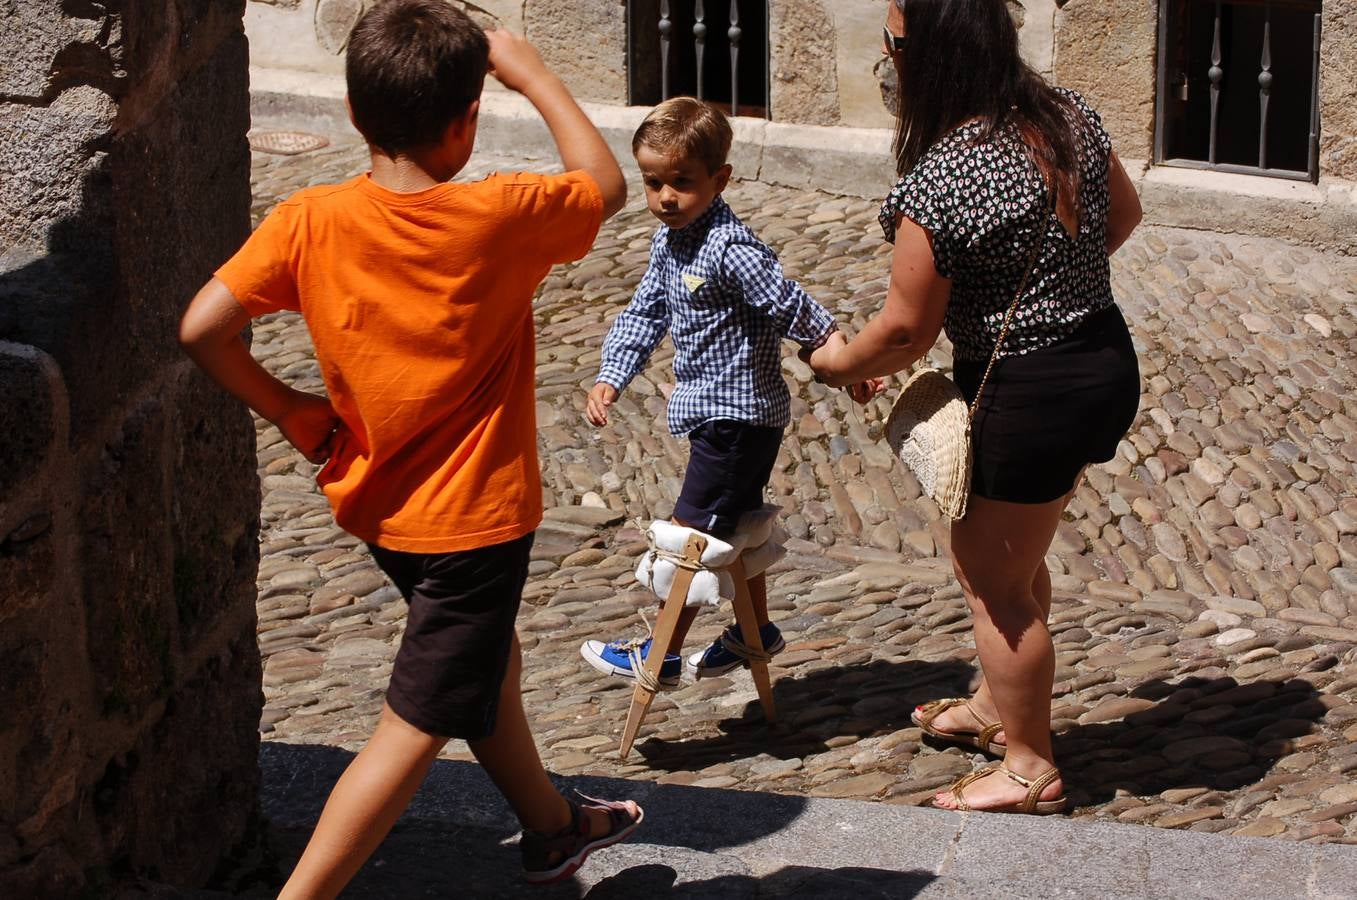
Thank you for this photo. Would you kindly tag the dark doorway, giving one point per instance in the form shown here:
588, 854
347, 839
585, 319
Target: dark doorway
1238, 87
666, 39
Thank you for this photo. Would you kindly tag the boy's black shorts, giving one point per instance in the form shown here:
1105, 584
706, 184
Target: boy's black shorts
452, 660
728, 468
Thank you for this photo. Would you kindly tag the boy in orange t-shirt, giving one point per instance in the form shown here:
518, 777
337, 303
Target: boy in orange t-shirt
417, 293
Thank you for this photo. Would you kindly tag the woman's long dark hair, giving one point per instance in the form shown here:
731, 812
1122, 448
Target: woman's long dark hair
962, 63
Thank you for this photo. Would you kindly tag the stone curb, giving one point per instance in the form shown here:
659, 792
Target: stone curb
848, 161
856, 162
716, 842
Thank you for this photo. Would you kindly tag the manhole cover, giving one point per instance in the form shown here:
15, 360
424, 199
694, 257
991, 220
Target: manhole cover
288, 143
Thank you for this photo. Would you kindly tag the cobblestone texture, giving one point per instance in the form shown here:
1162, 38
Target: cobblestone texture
1206, 579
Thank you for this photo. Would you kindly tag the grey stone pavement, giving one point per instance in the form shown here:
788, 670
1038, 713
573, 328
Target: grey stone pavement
1205, 617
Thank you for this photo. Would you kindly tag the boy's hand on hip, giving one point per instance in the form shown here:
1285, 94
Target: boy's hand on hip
600, 398
309, 423
513, 61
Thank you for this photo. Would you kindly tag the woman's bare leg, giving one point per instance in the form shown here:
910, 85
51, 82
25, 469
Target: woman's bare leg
960, 719
997, 551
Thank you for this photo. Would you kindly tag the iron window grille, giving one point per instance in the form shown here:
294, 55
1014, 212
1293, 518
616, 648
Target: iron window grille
1238, 86
716, 50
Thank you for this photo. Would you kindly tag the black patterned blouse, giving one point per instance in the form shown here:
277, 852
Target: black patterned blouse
982, 203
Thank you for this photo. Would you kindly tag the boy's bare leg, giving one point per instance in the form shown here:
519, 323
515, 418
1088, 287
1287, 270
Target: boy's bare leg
509, 757
378, 785
366, 801
758, 593
685, 622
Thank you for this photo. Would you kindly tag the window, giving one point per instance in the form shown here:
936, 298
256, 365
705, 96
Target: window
1239, 86
715, 50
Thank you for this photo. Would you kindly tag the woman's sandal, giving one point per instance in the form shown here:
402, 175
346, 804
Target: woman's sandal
924, 715
551, 858
1031, 804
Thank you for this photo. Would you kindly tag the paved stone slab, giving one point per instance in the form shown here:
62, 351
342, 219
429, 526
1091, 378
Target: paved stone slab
456, 840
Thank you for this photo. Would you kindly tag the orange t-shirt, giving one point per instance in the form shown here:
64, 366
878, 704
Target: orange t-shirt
420, 307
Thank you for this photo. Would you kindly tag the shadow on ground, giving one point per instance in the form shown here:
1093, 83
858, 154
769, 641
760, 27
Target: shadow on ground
458, 840
1211, 733
855, 700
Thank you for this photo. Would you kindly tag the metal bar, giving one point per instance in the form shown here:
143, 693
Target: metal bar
1235, 169
734, 34
1314, 105
1160, 111
700, 37
1216, 74
1265, 86
666, 36
767, 51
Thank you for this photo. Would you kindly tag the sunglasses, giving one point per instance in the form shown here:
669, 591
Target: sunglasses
894, 44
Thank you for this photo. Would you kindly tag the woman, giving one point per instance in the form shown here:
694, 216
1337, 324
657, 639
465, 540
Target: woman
1002, 177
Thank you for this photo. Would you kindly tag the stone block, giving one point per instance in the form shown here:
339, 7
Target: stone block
166, 802
804, 83
334, 20
104, 769
1106, 49
1338, 92
584, 42
46, 40
125, 559
857, 25
32, 414
214, 510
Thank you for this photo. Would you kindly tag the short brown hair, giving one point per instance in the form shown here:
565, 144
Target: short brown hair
686, 128
412, 68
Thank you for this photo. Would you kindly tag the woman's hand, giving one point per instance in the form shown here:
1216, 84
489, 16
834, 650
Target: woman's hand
909, 321
864, 391
821, 359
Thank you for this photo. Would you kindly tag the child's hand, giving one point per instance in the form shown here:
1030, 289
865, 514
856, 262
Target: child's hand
864, 391
309, 422
600, 398
513, 61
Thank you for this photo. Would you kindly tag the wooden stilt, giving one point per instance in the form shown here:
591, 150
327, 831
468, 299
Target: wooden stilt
670, 611
749, 629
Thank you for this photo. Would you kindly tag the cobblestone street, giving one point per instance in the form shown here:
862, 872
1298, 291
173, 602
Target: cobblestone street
1206, 580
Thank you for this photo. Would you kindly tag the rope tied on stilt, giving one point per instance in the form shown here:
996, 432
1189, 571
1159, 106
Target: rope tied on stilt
741, 649
644, 677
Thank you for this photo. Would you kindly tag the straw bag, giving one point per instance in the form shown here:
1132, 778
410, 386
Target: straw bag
929, 428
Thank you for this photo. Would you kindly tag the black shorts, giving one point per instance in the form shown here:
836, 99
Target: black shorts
452, 660
1047, 414
728, 467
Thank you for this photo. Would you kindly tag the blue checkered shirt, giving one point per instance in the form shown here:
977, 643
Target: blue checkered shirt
721, 293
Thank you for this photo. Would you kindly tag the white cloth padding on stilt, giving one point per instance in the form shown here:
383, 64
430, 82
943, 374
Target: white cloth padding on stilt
757, 542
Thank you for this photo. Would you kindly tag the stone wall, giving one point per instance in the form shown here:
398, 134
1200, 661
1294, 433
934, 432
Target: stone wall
1338, 91
584, 41
1106, 50
129, 674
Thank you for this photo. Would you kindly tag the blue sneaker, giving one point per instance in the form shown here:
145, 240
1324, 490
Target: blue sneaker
615, 659
718, 660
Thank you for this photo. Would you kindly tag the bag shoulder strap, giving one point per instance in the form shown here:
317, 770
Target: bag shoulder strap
1013, 307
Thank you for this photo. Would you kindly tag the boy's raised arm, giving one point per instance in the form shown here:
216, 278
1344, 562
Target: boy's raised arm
210, 335
518, 67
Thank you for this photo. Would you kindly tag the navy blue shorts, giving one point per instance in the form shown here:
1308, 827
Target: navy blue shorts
460, 628
728, 468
